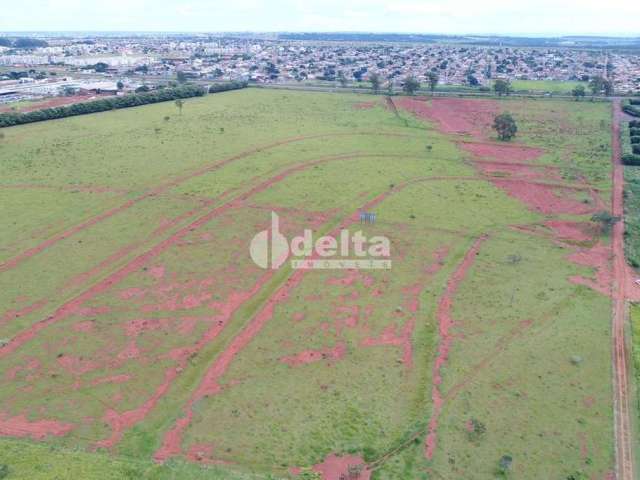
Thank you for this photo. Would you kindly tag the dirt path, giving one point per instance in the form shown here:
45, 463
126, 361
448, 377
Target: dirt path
622, 410
445, 322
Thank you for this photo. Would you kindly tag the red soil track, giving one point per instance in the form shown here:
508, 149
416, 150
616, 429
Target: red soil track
445, 322
14, 261
622, 410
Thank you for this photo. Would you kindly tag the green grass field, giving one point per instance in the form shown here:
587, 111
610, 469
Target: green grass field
546, 86
135, 326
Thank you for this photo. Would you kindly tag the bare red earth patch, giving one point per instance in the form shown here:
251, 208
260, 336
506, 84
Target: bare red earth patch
454, 115
20, 426
339, 468
571, 231
311, 356
546, 199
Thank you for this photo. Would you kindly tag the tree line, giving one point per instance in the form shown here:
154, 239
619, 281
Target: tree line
633, 158
632, 107
115, 103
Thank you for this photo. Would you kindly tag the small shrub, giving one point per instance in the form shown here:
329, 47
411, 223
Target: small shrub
605, 219
504, 465
4, 470
477, 430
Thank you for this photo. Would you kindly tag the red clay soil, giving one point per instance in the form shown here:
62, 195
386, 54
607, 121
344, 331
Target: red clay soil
502, 152
546, 199
209, 385
474, 118
20, 426
13, 314
390, 336
311, 356
402, 337
572, 231
16, 260
339, 468
445, 322
454, 115
364, 105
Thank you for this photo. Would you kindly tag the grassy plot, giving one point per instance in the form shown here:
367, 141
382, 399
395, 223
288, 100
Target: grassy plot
546, 86
155, 335
32, 461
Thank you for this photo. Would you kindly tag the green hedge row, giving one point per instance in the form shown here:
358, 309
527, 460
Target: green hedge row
223, 87
635, 149
634, 101
631, 110
102, 105
635, 139
634, 124
634, 132
631, 159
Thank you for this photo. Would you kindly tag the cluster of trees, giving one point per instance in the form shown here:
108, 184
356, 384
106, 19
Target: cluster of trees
599, 85
223, 87
102, 105
633, 158
409, 85
23, 42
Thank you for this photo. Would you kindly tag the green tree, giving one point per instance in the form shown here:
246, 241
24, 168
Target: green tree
120, 85
596, 85
432, 79
606, 220
506, 126
374, 78
342, 79
410, 85
607, 86
502, 87
578, 92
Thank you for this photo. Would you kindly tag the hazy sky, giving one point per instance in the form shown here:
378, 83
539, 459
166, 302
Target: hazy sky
617, 17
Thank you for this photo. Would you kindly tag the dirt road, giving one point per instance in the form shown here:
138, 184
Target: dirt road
622, 410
